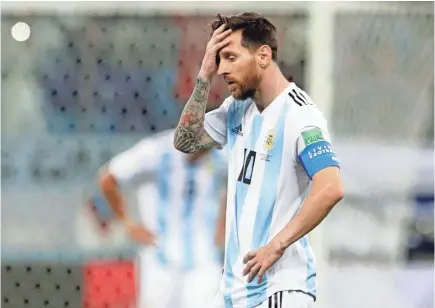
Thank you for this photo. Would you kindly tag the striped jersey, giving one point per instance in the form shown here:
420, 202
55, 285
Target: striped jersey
272, 158
182, 206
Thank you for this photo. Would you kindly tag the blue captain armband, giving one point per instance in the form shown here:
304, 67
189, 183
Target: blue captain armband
317, 156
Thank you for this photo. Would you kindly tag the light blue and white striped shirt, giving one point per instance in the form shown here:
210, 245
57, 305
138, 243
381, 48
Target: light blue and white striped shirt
182, 204
272, 157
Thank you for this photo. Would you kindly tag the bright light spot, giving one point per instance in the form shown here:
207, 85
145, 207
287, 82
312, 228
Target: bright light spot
20, 31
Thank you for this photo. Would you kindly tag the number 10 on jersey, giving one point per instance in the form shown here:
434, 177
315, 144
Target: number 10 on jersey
245, 175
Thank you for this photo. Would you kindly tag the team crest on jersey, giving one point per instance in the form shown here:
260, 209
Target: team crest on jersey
268, 143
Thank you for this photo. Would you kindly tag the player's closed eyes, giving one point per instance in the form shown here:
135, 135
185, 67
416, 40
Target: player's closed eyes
228, 56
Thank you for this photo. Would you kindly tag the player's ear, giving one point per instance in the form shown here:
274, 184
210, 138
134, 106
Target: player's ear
264, 56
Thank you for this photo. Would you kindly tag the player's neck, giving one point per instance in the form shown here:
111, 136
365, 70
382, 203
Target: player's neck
271, 86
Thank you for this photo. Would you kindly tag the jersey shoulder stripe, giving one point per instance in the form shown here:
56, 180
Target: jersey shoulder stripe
300, 97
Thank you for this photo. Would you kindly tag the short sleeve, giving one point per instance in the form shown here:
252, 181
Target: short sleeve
136, 161
313, 145
215, 123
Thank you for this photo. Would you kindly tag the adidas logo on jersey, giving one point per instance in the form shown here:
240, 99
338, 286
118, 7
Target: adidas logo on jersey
238, 130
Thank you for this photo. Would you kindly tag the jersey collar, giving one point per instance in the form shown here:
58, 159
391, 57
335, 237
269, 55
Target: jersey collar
277, 102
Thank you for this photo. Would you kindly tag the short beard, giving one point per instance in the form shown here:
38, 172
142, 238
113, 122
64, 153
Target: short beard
249, 93
249, 88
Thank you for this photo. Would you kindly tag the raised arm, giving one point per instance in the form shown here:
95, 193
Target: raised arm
190, 135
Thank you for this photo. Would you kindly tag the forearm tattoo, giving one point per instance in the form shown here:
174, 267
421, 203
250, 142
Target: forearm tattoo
190, 135
187, 142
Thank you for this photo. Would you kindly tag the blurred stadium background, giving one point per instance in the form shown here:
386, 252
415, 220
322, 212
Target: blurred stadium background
93, 78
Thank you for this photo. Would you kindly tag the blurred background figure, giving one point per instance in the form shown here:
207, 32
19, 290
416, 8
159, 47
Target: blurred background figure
180, 232
82, 82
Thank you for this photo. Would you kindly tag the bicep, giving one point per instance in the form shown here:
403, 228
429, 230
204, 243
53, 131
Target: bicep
327, 183
329, 176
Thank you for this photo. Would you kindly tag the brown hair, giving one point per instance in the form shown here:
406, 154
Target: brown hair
257, 30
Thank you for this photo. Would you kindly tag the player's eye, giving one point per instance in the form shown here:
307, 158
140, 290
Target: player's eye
231, 58
218, 60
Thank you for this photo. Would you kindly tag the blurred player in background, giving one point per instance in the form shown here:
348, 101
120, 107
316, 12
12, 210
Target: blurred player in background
283, 175
180, 263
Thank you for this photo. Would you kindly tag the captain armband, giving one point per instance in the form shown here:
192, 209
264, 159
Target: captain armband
315, 151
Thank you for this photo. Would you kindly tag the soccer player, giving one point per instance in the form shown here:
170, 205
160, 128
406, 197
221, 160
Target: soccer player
179, 264
283, 176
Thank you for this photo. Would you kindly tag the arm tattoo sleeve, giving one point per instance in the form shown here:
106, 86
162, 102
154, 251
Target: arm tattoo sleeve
190, 135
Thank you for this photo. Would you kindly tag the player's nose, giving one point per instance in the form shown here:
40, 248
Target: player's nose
223, 69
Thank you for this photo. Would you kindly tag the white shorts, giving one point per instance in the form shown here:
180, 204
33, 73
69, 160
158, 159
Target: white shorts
282, 299
162, 287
